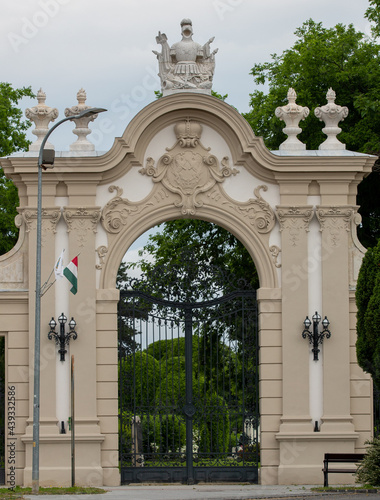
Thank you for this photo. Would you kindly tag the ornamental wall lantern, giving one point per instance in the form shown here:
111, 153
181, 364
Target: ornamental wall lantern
316, 337
62, 338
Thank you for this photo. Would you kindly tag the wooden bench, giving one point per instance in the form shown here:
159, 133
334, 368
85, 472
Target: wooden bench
339, 458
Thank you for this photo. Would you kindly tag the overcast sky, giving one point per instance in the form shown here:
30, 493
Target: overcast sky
106, 48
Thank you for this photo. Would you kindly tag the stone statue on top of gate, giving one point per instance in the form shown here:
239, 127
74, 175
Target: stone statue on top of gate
186, 65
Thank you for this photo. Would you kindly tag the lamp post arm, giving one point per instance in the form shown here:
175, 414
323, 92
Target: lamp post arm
86, 112
44, 140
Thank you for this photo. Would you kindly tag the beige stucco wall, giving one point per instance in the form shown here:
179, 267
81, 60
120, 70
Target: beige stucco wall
102, 203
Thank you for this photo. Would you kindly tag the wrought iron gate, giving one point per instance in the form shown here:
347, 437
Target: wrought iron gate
188, 388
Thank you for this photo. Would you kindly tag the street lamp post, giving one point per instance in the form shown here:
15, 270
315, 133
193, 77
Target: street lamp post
48, 158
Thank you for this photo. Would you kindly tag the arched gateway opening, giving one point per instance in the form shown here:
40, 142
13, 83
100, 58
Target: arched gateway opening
188, 367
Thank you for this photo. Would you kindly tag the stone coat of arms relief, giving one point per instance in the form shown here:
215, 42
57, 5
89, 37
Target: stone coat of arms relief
188, 168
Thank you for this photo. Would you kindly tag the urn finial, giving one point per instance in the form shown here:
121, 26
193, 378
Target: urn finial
292, 114
331, 114
41, 115
81, 125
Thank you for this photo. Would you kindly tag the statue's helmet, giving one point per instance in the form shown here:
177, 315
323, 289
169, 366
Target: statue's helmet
186, 21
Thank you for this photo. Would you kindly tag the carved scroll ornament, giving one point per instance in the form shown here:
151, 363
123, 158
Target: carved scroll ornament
258, 211
118, 210
102, 252
82, 221
275, 252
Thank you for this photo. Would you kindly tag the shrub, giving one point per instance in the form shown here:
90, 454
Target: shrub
369, 470
249, 452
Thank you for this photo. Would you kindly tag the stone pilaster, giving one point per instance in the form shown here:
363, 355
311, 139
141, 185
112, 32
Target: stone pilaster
82, 225
335, 225
48, 420
295, 421
270, 340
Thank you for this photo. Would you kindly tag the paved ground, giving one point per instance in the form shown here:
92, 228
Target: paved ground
212, 492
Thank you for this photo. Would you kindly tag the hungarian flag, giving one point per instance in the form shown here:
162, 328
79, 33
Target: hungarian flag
71, 273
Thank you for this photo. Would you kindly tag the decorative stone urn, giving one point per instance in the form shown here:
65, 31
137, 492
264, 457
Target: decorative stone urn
41, 115
331, 114
81, 125
291, 114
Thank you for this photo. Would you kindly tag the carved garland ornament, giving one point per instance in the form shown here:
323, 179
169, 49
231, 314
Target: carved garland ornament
187, 169
81, 220
335, 221
49, 221
294, 220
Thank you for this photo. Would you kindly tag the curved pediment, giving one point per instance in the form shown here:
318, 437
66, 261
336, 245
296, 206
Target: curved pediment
209, 112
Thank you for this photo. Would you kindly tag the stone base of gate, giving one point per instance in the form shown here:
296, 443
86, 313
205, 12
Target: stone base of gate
301, 456
55, 461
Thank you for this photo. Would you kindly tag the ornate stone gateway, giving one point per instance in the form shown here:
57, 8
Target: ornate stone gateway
188, 377
189, 155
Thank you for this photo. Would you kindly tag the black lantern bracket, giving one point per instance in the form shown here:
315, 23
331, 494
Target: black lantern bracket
62, 339
316, 336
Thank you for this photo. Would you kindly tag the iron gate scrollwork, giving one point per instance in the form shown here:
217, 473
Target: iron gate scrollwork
188, 381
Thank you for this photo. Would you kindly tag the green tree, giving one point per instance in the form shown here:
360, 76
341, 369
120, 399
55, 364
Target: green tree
368, 315
347, 61
206, 245
339, 57
373, 15
139, 374
369, 469
12, 139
